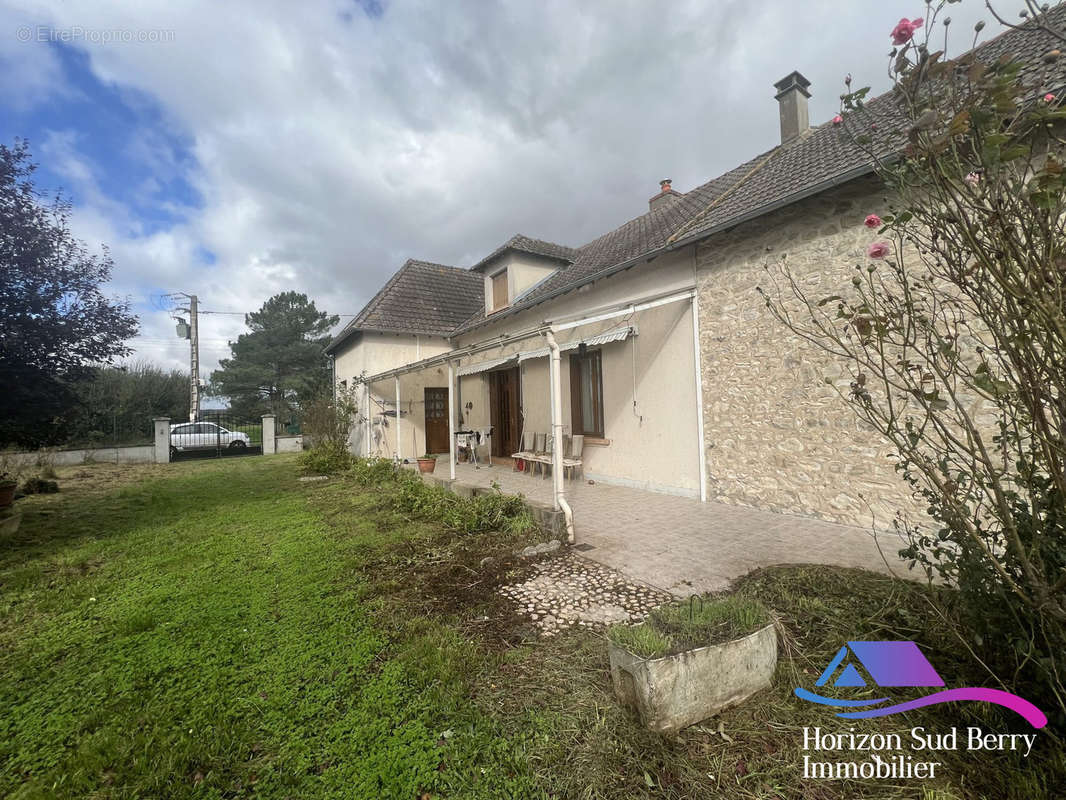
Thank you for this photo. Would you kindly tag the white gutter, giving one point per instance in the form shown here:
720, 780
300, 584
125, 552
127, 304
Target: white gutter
557, 436
463, 352
629, 309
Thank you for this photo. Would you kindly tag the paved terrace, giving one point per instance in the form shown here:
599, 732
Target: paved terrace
684, 546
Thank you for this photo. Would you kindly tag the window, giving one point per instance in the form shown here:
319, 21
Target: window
586, 393
499, 290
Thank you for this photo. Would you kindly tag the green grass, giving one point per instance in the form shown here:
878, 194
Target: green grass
217, 629
642, 640
697, 622
203, 634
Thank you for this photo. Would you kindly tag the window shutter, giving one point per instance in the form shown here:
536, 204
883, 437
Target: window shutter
499, 290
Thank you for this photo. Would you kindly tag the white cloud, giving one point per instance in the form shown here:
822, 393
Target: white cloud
326, 151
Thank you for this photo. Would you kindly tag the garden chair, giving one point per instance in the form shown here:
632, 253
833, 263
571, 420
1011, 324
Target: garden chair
539, 456
525, 452
572, 456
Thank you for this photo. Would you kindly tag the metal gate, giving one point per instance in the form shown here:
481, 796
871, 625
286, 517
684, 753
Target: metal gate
216, 434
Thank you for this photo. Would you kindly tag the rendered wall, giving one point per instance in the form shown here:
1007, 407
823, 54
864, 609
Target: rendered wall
373, 353
651, 445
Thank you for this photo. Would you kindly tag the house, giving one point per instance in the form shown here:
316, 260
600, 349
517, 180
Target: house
668, 362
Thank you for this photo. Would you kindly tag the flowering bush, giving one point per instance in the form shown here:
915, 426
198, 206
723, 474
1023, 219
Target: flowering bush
905, 30
955, 334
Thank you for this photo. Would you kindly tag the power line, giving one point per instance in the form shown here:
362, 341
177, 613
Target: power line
243, 313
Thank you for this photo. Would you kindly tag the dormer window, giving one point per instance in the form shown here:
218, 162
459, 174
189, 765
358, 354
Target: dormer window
499, 290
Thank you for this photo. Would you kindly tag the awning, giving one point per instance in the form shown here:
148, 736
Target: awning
485, 366
614, 335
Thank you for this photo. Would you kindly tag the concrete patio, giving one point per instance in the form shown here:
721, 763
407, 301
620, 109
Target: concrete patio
683, 546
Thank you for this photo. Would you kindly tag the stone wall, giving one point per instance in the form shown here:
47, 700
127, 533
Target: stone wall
135, 454
777, 437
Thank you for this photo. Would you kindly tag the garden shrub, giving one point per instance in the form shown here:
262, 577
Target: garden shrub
327, 458
409, 493
327, 422
38, 485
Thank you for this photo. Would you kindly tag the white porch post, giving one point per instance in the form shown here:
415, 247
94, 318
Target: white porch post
399, 447
696, 354
451, 421
368, 424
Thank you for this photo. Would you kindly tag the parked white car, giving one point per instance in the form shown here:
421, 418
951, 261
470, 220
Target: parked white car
204, 436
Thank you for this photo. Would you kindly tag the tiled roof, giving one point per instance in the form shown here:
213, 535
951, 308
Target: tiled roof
823, 157
422, 297
525, 244
827, 155
829, 152
644, 234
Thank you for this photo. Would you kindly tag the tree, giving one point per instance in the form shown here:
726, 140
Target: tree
280, 365
56, 325
116, 405
953, 332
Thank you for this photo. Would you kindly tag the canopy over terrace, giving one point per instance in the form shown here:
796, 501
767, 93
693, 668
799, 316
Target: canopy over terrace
548, 340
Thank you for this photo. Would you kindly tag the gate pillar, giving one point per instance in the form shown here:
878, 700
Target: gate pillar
161, 439
270, 444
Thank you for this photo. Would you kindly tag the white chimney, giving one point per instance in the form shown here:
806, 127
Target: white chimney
792, 97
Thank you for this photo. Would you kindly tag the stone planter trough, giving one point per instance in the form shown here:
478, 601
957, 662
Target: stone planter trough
675, 691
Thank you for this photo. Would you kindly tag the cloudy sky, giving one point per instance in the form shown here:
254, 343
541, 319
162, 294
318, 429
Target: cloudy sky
239, 149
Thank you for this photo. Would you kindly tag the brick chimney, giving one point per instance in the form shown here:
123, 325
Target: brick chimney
792, 97
665, 197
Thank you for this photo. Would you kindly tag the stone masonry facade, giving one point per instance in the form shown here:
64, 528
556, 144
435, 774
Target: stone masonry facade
776, 435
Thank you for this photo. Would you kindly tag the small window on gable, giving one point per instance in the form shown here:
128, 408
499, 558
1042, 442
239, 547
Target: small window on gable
499, 290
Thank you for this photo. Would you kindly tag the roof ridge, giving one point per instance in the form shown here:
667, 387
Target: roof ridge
693, 220
422, 263
373, 301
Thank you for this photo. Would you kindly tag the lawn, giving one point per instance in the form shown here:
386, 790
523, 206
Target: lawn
220, 629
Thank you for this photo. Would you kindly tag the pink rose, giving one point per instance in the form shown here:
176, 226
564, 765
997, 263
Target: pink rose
878, 250
872, 221
837, 119
1049, 97
904, 31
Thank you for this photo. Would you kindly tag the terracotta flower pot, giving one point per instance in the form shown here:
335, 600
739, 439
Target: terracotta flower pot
7, 493
427, 464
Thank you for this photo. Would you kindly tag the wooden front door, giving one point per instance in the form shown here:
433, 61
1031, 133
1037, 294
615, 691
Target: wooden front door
503, 411
436, 420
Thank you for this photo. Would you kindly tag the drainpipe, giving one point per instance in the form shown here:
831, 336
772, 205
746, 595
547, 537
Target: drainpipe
451, 421
399, 447
557, 436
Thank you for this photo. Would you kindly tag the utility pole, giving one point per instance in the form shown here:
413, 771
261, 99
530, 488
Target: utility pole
190, 331
194, 362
